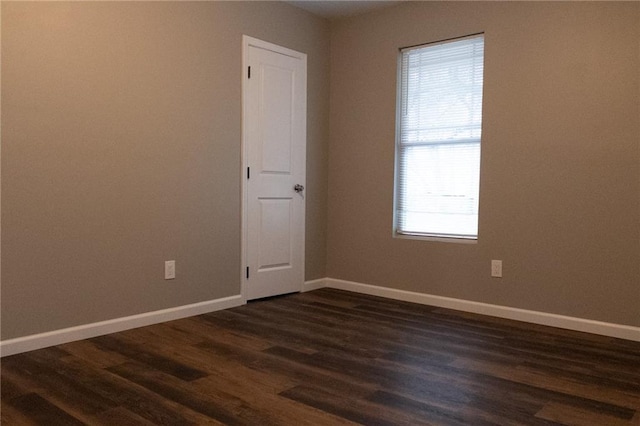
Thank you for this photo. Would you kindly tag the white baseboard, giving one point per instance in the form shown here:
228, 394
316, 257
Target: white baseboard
314, 284
87, 331
578, 324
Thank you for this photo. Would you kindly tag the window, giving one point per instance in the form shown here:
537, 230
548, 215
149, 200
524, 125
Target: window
438, 142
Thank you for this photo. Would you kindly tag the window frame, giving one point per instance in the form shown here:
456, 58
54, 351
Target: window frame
431, 236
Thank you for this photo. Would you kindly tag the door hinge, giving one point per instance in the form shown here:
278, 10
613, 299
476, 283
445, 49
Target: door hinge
248, 172
247, 272
249, 73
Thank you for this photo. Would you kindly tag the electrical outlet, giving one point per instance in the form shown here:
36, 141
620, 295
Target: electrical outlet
169, 269
496, 268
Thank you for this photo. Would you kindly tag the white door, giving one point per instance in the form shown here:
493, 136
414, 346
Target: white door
274, 146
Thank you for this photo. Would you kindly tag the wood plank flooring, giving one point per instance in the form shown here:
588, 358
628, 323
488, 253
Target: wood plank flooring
328, 357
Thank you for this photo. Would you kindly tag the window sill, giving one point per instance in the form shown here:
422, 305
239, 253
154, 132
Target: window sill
441, 239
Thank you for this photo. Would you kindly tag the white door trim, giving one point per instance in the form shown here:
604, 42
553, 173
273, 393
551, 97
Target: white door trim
247, 42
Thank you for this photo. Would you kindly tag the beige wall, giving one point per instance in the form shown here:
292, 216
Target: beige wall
121, 149
560, 174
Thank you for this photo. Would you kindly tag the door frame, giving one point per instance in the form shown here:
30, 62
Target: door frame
247, 42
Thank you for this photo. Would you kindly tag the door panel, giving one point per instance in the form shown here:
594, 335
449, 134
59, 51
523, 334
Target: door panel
275, 236
277, 119
275, 140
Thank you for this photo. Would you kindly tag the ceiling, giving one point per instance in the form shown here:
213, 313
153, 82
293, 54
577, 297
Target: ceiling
340, 9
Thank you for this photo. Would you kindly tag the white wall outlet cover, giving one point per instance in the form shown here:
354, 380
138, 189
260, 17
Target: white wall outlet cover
169, 269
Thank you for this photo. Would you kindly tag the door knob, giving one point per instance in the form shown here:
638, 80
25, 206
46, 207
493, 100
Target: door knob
298, 188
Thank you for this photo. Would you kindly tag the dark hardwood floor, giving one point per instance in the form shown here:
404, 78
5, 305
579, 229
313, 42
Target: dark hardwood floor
328, 357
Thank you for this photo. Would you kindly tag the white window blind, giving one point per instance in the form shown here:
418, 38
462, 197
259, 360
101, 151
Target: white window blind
438, 146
